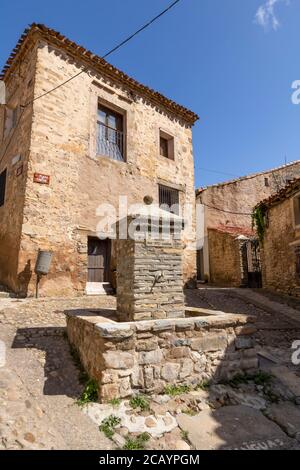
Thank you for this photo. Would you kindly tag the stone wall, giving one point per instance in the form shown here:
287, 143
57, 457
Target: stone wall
224, 259
149, 279
60, 216
14, 157
146, 356
229, 205
279, 246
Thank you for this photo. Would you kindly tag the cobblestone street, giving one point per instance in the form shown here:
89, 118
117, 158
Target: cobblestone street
39, 382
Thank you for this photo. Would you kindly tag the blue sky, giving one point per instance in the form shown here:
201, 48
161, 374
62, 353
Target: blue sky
209, 55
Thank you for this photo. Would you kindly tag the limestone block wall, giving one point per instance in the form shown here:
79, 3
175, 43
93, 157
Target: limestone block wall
224, 259
60, 216
278, 250
145, 356
14, 158
139, 295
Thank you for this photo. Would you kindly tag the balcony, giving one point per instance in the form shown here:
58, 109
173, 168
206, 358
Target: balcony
110, 142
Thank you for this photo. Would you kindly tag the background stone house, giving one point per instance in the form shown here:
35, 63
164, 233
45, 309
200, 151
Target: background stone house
228, 251
280, 251
64, 153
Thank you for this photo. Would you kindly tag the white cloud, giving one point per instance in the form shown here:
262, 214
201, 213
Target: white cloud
266, 16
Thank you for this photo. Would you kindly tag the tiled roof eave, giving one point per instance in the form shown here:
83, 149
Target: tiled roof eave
288, 191
98, 64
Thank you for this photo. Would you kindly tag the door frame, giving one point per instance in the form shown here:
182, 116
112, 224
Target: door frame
107, 258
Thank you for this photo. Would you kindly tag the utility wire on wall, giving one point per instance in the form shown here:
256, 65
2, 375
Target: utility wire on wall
118, 46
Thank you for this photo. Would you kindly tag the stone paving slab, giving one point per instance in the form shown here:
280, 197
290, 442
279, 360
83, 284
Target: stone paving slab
287, 416
235, 428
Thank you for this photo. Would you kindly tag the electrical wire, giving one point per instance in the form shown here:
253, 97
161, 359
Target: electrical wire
226, 211
118, 46
114, 49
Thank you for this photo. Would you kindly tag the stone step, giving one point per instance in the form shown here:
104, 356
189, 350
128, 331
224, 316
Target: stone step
4, 295
98, 288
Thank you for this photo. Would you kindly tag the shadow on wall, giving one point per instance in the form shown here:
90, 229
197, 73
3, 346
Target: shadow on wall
24, 278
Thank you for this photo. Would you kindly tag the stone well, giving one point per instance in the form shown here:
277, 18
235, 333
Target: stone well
149, 266
152, 340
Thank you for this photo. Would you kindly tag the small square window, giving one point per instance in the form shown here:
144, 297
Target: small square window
2, 187
297, 210
166, 145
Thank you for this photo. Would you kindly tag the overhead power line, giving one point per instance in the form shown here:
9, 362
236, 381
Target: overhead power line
226, 211
218, 172
118, 46
114, 49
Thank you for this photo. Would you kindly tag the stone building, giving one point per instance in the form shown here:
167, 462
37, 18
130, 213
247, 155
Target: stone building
100, 136
228, 252
281, 240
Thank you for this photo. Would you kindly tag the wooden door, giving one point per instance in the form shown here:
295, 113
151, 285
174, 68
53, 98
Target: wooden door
98, 260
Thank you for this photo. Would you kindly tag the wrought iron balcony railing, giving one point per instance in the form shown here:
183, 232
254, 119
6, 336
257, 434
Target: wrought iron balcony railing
110, 142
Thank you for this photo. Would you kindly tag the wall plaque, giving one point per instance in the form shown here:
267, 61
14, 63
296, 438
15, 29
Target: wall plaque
41, 179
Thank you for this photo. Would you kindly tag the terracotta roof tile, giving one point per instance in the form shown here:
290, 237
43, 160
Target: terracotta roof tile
289, 190
234, 230
242, 178
96, 62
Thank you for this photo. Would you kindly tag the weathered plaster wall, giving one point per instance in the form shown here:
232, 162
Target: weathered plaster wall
231, 204
61, 215
278, 250
225, 261
146, 356
20, 88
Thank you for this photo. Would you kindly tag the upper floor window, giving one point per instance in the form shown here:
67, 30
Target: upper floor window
166, 145
169, 199
2, 187
267, 182
110, 134
297, 210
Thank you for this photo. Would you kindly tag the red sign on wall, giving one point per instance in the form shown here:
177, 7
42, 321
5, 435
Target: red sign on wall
41, 179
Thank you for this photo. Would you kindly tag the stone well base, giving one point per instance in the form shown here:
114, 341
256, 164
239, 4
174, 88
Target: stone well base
146, 356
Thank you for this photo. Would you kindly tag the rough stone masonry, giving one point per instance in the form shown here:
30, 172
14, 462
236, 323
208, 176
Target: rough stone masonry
149, 270
146, 356
156, 345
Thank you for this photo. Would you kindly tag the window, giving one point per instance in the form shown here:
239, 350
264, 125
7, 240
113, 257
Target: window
2, 187
297, 210
267, 183
297, 254
169, 199
166, 145
110, 135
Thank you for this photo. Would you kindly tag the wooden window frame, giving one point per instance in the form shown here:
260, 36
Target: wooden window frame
170, 139
3, 180
118, 113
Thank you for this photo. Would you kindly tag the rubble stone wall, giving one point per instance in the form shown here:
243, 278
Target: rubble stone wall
150, 279
60, 216
14, 158
281, 241
224, 259
146, 356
